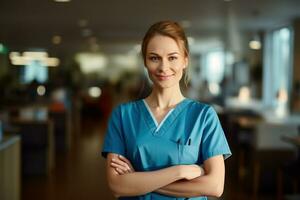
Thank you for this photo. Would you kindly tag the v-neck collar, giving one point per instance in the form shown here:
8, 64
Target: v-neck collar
154, 119
166, 122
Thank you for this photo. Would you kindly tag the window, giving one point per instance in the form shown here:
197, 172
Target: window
214, 69
214, 66
277, 66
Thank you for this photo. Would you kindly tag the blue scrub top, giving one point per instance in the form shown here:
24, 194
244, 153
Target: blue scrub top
189, 134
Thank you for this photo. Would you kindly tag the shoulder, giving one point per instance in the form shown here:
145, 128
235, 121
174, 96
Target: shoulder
204, 111
126, 107
198, 106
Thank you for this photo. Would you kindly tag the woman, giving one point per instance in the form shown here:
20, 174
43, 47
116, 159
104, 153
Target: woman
165, 146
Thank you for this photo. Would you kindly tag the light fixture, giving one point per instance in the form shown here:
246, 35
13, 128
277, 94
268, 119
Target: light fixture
91, 62
94, 92
56, 39
255, 42
28, 57
62, 1
41, 90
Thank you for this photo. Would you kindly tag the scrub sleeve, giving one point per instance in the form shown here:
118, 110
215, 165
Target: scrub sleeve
114, 139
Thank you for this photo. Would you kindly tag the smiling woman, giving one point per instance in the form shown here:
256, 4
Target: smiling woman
165, 146
165, 61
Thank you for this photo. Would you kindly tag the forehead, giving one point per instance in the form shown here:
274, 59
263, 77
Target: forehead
163, 45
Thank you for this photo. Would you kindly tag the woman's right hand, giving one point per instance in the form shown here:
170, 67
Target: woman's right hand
122, 165
190, 172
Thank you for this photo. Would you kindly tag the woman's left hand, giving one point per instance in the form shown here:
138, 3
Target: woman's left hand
122, 165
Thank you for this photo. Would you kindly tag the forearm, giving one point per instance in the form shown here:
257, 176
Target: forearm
201, 186
140, 183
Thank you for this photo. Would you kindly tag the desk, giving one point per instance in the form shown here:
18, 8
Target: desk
10, 168
295, 140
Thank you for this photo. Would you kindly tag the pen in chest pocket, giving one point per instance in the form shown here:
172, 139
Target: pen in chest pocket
188, 143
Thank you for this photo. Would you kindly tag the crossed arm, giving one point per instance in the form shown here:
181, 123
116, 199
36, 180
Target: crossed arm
177, 181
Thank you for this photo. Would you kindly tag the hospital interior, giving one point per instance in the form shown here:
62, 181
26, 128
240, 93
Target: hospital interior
66, 64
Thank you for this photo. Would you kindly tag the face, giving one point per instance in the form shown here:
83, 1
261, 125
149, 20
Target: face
165, 61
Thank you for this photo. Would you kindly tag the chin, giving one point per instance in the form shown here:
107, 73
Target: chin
164, 85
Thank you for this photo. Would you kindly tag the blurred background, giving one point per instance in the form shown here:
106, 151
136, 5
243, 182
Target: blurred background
64, 64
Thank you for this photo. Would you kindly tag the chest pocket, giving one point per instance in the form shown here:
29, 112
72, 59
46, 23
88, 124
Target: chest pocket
188, 154
158, 152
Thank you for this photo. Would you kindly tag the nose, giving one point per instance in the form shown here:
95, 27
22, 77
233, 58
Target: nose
164, 65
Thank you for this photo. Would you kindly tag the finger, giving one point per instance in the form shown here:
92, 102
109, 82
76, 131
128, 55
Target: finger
121, 167
123, 160
116, 171
119, 162
120, 172
126, 160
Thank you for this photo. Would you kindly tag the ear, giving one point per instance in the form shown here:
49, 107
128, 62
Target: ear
186, 62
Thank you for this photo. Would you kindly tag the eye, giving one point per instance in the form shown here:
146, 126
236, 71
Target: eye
171, 58
154, 58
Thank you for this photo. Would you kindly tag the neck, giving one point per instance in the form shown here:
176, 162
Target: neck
164, 98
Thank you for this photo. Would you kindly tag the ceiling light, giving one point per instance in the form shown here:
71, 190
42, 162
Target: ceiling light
62, 1
94, 92
28, 57
56, 39
91, 62
41, 90
254, 44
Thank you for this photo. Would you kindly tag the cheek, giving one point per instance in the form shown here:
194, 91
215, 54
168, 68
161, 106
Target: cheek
150, 69
179, 66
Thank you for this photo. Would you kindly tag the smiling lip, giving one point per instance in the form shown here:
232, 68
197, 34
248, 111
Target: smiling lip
163, 77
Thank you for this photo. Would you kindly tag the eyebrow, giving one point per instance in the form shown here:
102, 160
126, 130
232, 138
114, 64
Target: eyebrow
173, 53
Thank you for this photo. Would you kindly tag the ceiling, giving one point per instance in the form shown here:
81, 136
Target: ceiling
114, 24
